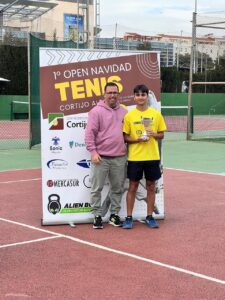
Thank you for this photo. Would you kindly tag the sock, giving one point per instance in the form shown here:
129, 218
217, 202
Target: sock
149, 216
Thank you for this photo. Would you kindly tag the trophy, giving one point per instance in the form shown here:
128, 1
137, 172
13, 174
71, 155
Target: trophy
146, 122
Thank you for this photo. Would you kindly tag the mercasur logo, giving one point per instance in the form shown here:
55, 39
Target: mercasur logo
84, 163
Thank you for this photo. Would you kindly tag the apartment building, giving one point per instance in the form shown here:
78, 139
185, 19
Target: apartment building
208, 44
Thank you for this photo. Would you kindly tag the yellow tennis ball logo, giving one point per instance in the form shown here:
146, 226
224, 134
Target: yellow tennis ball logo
55, 122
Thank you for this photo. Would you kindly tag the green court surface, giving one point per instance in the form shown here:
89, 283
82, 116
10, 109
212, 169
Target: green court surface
20, 159
194, 155
177, 153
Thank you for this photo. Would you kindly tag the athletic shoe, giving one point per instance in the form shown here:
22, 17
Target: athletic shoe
97, 222
115, 220
128, 223
150, 221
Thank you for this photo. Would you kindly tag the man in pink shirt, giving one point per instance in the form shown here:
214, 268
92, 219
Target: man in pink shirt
104, 140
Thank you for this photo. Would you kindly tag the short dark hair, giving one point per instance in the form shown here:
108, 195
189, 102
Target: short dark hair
141, 88
111, 84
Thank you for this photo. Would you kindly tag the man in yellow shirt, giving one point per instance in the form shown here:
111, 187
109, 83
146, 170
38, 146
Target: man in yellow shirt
143, 127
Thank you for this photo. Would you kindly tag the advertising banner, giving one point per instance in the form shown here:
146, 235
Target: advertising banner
71, 83
73, 27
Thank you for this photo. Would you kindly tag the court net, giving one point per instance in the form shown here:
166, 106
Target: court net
14, 124
175, 117
210, 127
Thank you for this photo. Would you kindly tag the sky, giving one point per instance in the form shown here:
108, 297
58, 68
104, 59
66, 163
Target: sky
149, 17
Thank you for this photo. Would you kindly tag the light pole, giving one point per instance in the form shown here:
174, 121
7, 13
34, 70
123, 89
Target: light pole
114, 41
178, 49
206, 66
194, 36
191, 71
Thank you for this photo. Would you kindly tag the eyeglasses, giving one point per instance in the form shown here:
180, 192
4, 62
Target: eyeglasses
112, 93
140, 94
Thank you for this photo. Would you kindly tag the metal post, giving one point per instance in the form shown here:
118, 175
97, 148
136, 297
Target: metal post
178, 49
189, 129
201, 59
206, 66
29, 91
194, 41
195, 6
167, 58
78, 10
97, 18
114, 42
87, 25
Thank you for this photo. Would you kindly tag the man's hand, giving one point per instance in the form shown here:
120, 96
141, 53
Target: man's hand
96, 159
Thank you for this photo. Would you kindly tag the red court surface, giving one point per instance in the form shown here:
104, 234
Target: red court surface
19, 129
10, 130
200, 123
183, 259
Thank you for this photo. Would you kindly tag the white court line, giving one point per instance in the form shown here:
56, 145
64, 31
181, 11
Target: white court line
17, 295
191, 171
29, 242
154, 262
9, 170
166, 168
22, 180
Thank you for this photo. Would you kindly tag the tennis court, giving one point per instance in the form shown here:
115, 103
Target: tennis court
184, 259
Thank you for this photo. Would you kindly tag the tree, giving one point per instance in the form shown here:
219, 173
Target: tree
171, 81
184, 62
203, 60
14, 65
144, 46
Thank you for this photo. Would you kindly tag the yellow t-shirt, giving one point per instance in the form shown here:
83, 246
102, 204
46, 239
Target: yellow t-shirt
134, 127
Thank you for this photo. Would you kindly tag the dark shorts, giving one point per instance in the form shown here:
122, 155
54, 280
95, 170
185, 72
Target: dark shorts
151, 169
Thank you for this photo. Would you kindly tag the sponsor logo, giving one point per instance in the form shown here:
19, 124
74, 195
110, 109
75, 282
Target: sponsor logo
55, 148
87, 181
76, 144
84, 163
63, 183
80, 124
56, 121
54, 205
57, 164
139, 133
55, 141
74, 208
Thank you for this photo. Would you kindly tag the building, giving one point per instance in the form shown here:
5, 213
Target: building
207, 44
53, 20
79, 20
166, 49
